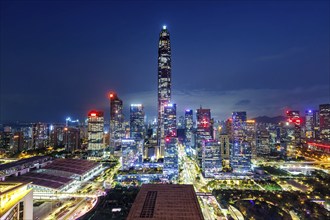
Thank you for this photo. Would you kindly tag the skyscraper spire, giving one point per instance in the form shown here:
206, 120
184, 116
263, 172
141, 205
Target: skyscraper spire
164, 83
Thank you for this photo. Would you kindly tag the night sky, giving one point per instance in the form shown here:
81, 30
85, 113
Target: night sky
60, 58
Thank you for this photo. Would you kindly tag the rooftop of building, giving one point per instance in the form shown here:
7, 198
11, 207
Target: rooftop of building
166, 201
6, 187
49, 178
75, 166
45, 180
22, 162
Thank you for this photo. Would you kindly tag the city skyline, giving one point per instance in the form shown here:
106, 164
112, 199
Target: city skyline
227, 74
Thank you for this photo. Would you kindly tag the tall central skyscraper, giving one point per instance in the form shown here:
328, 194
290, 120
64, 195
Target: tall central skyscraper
164, 83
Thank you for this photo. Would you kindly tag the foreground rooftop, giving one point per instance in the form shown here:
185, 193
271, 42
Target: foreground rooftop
166, 201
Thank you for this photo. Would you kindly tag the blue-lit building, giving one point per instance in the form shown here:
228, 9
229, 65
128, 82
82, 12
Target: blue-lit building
170, 120
171, 167
137, 128
131, 153
189, 125
211, 159
240, 158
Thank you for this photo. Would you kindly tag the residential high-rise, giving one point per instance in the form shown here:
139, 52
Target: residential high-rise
325, 122
7, 139
240, 159
40, 135
137, 128
116, 122
189, 124
164, 83
18, 141
71, 138
170, 120
95, 134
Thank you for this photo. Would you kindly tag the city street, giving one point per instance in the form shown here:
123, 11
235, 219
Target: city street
191, 174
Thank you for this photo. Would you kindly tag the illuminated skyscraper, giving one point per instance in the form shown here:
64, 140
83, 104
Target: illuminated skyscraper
204, 121
164, 83
309, 125
204, 130
251, 133
240, 159
171, 167
181, 122
71, 138
325, 122
137, 128
211, 158
293, 117
40, 135
7, 138
316, 123
95, 134
262, 141
116, 122
170, 120
224, 148
189, 123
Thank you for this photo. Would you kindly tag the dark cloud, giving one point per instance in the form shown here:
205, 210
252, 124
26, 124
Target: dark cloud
243, 102
271, 102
